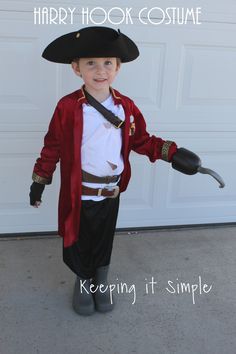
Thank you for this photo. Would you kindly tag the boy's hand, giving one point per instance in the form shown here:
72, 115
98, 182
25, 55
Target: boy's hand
37, 204
36, 191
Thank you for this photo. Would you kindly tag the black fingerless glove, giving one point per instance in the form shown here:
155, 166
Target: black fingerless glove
36, 191
186, 161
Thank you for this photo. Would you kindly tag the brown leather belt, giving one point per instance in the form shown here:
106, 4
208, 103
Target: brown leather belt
88, 177
109, 192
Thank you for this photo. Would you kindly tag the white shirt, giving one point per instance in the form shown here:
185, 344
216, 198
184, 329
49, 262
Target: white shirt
101, 145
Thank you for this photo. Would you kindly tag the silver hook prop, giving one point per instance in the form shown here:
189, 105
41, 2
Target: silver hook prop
212, 173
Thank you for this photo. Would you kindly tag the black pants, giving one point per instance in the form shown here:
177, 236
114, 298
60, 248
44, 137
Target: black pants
94, 246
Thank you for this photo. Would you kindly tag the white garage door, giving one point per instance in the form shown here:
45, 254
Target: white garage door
185, 84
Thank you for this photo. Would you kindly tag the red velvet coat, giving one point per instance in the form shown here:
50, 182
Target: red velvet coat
63, 142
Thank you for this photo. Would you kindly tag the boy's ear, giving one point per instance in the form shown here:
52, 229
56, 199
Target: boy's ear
118, 65
75, 67
118, 68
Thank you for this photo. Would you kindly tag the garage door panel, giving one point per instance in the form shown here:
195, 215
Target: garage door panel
28, 88
217, 64
19, 53
18, 152
140, 193
149, 73
202, 88
16, 93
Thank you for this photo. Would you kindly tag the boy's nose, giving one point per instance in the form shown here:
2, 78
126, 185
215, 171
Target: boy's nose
99, 68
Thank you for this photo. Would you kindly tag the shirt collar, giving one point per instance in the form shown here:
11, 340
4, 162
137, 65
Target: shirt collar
115, 95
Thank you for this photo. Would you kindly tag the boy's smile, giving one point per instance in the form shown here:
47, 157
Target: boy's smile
97, 74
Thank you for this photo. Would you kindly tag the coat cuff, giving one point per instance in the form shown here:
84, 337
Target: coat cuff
41, 180
169, 148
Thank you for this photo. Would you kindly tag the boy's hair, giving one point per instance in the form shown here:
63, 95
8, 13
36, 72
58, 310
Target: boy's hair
118, 61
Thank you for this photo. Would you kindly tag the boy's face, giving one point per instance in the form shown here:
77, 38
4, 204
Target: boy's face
97, 73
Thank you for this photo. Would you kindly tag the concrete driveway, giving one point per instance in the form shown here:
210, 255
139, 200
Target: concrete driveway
175, 293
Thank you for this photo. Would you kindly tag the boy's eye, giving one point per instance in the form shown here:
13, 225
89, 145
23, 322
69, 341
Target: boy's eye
108, 62
90, 62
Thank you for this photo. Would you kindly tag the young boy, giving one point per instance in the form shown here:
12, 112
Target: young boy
94, 156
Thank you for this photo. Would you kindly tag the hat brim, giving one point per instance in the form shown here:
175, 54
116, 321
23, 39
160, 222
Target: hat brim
90, 42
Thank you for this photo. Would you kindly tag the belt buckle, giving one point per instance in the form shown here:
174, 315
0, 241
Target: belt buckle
116, 190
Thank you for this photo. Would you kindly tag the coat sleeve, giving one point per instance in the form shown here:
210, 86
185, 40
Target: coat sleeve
50, 154
151, 146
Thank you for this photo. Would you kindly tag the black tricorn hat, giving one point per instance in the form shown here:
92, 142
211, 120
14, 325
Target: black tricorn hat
96, 42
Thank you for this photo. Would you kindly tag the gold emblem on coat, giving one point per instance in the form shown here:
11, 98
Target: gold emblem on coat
132, 126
